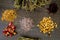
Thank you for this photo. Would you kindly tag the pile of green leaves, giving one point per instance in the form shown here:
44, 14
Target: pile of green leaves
30, 4
27, 38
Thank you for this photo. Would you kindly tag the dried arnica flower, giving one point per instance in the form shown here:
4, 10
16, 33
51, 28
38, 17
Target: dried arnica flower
53, 8
9, 15
26, 24
30, 4
46, 25
9, 30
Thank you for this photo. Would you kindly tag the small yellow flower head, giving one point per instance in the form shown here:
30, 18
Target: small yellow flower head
46, 25
9, 15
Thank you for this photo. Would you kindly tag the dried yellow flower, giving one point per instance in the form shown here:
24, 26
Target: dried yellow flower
46, 25
9, 15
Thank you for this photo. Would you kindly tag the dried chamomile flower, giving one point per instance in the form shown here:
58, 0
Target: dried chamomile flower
26, 24
46, 25
9, 15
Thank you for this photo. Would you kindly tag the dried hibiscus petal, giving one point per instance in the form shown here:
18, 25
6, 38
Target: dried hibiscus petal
10, 30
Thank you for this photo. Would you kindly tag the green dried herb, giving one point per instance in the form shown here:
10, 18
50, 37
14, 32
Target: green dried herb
28, 38
30, 4
23, 38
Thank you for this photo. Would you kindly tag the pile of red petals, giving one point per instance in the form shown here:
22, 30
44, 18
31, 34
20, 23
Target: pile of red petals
9, 30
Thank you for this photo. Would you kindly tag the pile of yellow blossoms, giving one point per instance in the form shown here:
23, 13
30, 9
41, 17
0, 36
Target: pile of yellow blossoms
46, 25
9, 15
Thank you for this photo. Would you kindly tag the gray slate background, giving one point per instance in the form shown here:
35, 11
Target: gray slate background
36, 15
